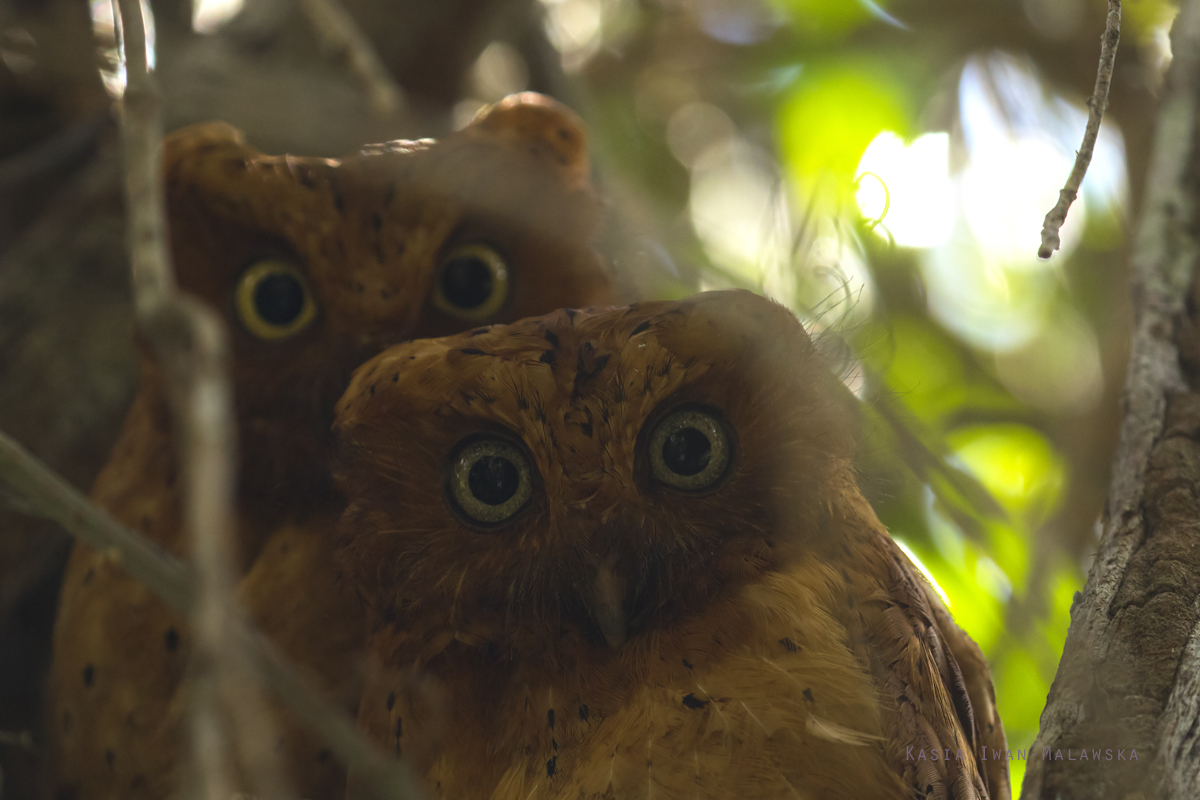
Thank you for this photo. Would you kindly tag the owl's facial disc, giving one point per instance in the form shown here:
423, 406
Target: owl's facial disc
689, 449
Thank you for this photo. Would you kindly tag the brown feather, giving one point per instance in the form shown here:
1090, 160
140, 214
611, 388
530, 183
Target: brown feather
762, 637
368, 234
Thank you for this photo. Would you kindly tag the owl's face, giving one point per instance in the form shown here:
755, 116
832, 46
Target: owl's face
598, 472
318, 264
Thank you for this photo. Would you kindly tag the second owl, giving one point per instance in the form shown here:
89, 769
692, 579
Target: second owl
316, 265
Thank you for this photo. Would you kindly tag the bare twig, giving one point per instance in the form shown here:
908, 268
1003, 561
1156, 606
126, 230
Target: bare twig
1097, 105
44, 493
343, 39
41, 492
189, 341
1103, 649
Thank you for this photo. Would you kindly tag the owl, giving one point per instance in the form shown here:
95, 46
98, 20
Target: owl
621, 553
316, 264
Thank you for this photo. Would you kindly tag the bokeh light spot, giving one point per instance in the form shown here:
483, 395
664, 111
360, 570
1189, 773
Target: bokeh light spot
913, 187
1007, 192
1017, 464
826, 123
208, 16
574, 27
498, 72
981, 300
737, 210
695, 128
1059, 369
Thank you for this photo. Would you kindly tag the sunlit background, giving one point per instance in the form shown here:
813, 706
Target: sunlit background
883, 169
851, 161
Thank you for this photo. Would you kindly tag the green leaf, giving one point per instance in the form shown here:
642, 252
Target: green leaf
826, 18
828, 119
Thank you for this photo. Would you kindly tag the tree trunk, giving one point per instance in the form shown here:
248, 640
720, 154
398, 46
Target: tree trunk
1123, 714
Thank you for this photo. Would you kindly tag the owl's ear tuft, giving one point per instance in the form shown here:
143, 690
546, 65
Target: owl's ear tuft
545, 126
744, 309
204, 140
738, 323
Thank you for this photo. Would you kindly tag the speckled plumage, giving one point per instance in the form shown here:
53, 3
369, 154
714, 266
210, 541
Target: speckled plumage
770, 639
368, 234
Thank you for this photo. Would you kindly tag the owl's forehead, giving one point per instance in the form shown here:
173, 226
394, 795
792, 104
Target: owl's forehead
395, 184
594, 374
563, 360
368, 231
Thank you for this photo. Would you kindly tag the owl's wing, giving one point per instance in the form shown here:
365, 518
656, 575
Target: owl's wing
977, 680
939, 683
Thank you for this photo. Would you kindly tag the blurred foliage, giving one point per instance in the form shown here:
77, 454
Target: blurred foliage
827, 119
882, 168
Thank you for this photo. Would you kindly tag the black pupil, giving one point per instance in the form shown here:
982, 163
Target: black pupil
467, 281
279, 298
687, 451
493, 480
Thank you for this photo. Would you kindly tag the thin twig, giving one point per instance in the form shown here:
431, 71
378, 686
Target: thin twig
41, 492
1097, 105
189, 342
342, 38
1100, 650
44, 493
141, 134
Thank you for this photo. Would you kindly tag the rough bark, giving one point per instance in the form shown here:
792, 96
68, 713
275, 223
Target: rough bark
1127, 679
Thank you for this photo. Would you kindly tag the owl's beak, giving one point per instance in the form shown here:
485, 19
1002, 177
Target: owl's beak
606, 602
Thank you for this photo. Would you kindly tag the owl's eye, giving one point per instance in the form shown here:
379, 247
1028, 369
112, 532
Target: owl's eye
690, 449
490, 480
273, 300
472, 282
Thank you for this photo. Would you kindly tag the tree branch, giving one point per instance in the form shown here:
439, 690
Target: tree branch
1131, 645
1097, 105
189, 341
